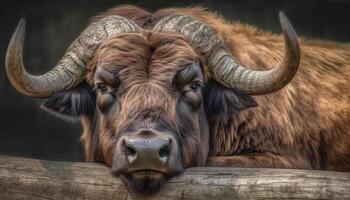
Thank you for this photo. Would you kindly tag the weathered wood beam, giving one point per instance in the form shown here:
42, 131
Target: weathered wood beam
22, 178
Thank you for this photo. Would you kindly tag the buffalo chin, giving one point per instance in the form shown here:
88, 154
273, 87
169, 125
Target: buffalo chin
145, 182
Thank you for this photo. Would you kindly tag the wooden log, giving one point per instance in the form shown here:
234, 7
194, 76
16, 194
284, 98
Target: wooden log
22, 178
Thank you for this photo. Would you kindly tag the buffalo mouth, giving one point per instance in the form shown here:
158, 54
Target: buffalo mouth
145, 182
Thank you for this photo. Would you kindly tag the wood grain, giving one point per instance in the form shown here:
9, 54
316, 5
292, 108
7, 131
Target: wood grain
22, 178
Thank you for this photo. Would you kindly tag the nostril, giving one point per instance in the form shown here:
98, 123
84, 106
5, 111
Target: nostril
164, 152
130, 151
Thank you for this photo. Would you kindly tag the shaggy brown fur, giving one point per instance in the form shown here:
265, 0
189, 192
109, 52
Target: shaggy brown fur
304, 125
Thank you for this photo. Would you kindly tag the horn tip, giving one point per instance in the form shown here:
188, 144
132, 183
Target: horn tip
283, 18
282, 14
287, 27
22, 23
20, 30
22, 20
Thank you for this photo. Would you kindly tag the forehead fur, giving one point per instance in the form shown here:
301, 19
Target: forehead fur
145, 63
146, 56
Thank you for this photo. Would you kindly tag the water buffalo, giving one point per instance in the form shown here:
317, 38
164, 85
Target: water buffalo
181, 87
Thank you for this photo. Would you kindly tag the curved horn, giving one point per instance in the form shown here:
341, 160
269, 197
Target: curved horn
222, 65
71, 69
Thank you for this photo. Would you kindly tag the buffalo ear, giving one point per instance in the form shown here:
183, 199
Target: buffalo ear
72, 103
220, 100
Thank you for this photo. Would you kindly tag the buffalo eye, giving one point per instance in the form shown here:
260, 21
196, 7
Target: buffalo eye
106, 97
192, 95
106, 86
196, 84
102, 88
188, 81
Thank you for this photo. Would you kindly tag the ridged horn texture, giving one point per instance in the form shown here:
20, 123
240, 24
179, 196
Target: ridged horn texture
224, 67
71, 69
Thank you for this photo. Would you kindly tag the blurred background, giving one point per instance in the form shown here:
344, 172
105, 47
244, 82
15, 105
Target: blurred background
27, 131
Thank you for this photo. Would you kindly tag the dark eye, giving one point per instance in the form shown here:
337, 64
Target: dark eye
102, 87
195, 84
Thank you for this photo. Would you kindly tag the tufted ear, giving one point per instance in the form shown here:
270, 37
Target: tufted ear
220, 100
72, 103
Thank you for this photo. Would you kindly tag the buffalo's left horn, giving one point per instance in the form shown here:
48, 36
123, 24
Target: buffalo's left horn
223, 66
71, 69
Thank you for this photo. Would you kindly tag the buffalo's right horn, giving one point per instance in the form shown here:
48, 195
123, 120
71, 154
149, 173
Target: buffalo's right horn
71, 69
224, 67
